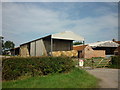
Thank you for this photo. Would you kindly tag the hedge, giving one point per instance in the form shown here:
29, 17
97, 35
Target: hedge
115, 62
13, 68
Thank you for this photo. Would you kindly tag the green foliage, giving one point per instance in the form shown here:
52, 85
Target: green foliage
9, 45
115, 62
13, 68
77, 43
76, 78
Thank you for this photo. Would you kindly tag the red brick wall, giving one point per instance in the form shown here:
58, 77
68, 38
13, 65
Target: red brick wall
99, 53
89, 52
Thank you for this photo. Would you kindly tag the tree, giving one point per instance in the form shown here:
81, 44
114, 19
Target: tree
77, 43
8, 45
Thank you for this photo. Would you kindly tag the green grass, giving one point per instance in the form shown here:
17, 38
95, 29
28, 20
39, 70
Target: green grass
75, 79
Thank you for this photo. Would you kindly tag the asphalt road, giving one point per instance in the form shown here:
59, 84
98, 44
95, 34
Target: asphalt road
108, 77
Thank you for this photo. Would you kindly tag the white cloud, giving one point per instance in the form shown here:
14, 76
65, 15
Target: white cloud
27, 19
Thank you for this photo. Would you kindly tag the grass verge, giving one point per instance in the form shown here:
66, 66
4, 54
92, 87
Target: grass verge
75, 79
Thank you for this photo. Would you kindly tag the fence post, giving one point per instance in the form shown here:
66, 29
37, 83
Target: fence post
92, 64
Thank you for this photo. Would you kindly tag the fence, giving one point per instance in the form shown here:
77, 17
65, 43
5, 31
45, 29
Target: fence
97, 62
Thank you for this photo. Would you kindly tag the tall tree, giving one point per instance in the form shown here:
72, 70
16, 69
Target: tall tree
9, 45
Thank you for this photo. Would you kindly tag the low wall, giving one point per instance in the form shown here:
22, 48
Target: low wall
99, 53
94, 53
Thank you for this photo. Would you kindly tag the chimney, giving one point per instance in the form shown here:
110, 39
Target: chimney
113, 40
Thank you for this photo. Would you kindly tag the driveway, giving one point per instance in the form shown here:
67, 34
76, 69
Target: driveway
108, 77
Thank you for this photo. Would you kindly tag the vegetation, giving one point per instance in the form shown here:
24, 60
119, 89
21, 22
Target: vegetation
115, 62
76, 78
13, 68
8, 45
77, 43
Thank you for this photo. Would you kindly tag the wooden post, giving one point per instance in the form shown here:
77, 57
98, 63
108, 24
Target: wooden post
92, 63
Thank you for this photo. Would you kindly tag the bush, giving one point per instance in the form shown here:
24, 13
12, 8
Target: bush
13, 68
115, 62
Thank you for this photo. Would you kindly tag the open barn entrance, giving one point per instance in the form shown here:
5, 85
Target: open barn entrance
79, 54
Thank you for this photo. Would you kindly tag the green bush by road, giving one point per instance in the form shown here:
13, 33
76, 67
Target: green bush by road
13, 68
115, 62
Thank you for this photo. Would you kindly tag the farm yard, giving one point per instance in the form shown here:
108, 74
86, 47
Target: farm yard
54, 62
65, 44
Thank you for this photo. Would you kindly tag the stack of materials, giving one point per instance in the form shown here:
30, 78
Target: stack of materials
24, 51
72, 53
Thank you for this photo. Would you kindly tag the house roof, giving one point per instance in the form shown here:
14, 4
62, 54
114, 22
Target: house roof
117, 42
68, 35
104, 44
80, 47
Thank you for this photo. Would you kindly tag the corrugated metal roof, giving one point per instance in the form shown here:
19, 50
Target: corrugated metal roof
68, 35
104, 44
36, 40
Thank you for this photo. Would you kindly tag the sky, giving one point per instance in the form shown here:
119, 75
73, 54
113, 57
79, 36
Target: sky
26, 21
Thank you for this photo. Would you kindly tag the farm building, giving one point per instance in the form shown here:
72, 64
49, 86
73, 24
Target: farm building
117, 50
46, 45
15, 51
85, 51
108, 46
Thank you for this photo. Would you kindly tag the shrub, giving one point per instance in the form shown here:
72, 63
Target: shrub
115, 62
12, 68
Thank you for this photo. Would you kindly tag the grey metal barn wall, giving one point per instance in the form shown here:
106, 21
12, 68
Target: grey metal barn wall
62, 45
32, 48
47, 44
40, 48
37, 48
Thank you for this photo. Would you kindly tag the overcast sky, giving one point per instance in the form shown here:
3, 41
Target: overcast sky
95, 21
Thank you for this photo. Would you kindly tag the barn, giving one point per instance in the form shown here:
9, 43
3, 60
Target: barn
108, 46
15, 51
46, 45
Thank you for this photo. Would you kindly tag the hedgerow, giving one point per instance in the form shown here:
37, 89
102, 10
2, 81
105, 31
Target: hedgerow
13, 68
115, 62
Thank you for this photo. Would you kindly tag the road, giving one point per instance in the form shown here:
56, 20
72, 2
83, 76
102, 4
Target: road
108, 77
